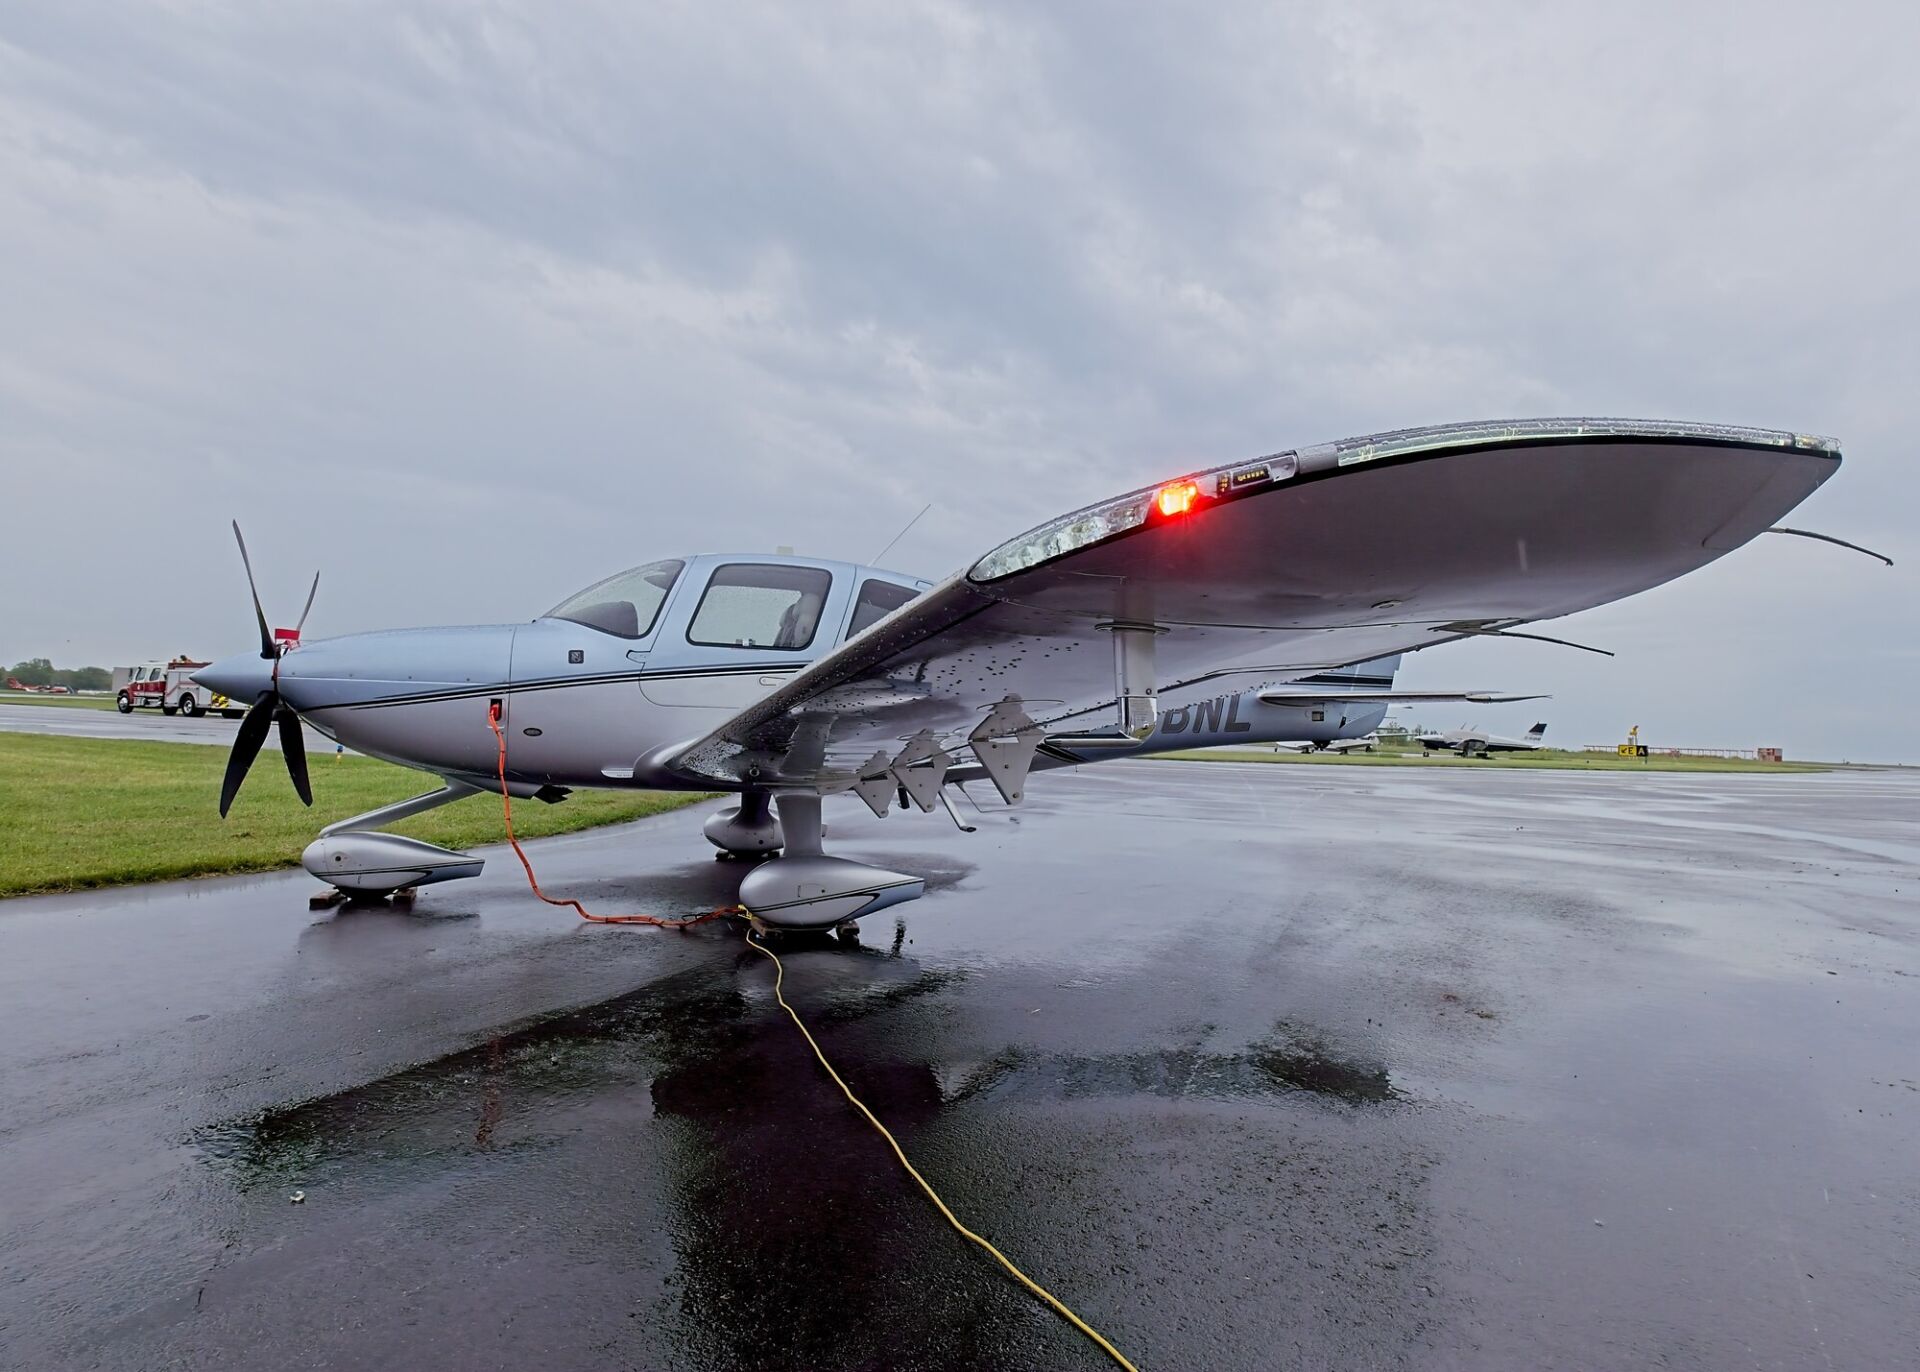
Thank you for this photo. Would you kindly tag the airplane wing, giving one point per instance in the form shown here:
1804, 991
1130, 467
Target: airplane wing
1258, 573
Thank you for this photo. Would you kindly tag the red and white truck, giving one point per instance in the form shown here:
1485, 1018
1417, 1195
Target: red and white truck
170, 686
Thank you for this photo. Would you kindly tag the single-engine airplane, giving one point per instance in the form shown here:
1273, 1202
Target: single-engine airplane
1479, 743
1226, 605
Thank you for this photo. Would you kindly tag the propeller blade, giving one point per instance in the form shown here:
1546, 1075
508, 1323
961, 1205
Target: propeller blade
266, 635
246, 747
293, 747
312, 591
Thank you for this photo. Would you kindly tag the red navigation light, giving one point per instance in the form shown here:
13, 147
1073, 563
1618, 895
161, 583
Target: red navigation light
1176, 498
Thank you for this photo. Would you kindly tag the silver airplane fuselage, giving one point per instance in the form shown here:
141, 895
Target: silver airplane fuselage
582, 706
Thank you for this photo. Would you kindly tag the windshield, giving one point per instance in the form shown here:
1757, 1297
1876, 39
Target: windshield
626, 604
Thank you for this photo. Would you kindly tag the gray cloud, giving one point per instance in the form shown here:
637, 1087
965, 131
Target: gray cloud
469, 305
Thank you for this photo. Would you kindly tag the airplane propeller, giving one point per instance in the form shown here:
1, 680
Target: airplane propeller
268, 709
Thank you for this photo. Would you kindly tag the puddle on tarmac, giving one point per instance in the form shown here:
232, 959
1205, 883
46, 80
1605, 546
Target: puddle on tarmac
1286, 1064
700, 1045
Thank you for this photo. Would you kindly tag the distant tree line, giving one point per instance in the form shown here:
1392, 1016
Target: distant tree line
38, 671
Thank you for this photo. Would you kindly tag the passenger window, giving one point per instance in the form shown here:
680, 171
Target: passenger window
757, 605
878, 599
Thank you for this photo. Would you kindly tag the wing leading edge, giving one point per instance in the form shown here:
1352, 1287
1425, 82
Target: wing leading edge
1264, 572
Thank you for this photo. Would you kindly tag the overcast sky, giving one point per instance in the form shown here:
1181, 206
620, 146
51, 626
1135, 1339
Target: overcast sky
470, 304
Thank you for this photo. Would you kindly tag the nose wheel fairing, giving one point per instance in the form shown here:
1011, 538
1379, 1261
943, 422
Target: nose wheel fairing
353, 857
363, 863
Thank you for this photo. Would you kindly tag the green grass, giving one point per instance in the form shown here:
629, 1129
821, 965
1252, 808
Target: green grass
1546, 758
71, 702
84, 812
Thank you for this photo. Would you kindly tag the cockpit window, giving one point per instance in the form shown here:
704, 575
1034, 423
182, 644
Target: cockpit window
626, 604
760, 605
877, 600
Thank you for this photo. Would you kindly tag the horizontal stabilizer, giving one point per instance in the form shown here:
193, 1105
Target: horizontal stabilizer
1289, 695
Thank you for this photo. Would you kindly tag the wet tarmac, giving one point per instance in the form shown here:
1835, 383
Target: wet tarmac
1258, 1067
74, 721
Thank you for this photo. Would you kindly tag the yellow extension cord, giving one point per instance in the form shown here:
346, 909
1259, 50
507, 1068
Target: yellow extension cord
1059, 1307
779, 985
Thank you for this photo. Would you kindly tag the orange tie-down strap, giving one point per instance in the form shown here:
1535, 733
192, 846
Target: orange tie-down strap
506, 808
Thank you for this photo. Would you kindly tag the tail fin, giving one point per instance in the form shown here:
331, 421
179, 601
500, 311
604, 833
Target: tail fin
1377, 674
1536, 731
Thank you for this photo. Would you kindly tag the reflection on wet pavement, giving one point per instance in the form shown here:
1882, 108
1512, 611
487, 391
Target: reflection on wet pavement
1356, 1098
1176, 1073
704, 1052
770, 1173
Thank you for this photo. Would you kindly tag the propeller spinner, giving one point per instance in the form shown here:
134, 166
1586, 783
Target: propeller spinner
268, 709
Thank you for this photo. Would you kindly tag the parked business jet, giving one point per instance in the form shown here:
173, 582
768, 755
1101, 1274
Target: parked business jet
1219, 606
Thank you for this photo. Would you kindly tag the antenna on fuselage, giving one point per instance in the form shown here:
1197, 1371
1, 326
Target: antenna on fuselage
874, 561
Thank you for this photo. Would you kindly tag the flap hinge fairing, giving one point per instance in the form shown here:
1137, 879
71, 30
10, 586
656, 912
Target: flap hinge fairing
1004, 742
921, 768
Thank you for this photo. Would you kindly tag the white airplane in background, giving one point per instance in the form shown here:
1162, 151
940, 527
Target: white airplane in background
1212, 607
1363, 744
1479, 743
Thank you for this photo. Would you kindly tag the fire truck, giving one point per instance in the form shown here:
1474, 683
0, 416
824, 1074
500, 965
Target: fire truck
170, 686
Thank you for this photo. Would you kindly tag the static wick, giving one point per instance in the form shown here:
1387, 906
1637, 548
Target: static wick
1829, 538
1481, 631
